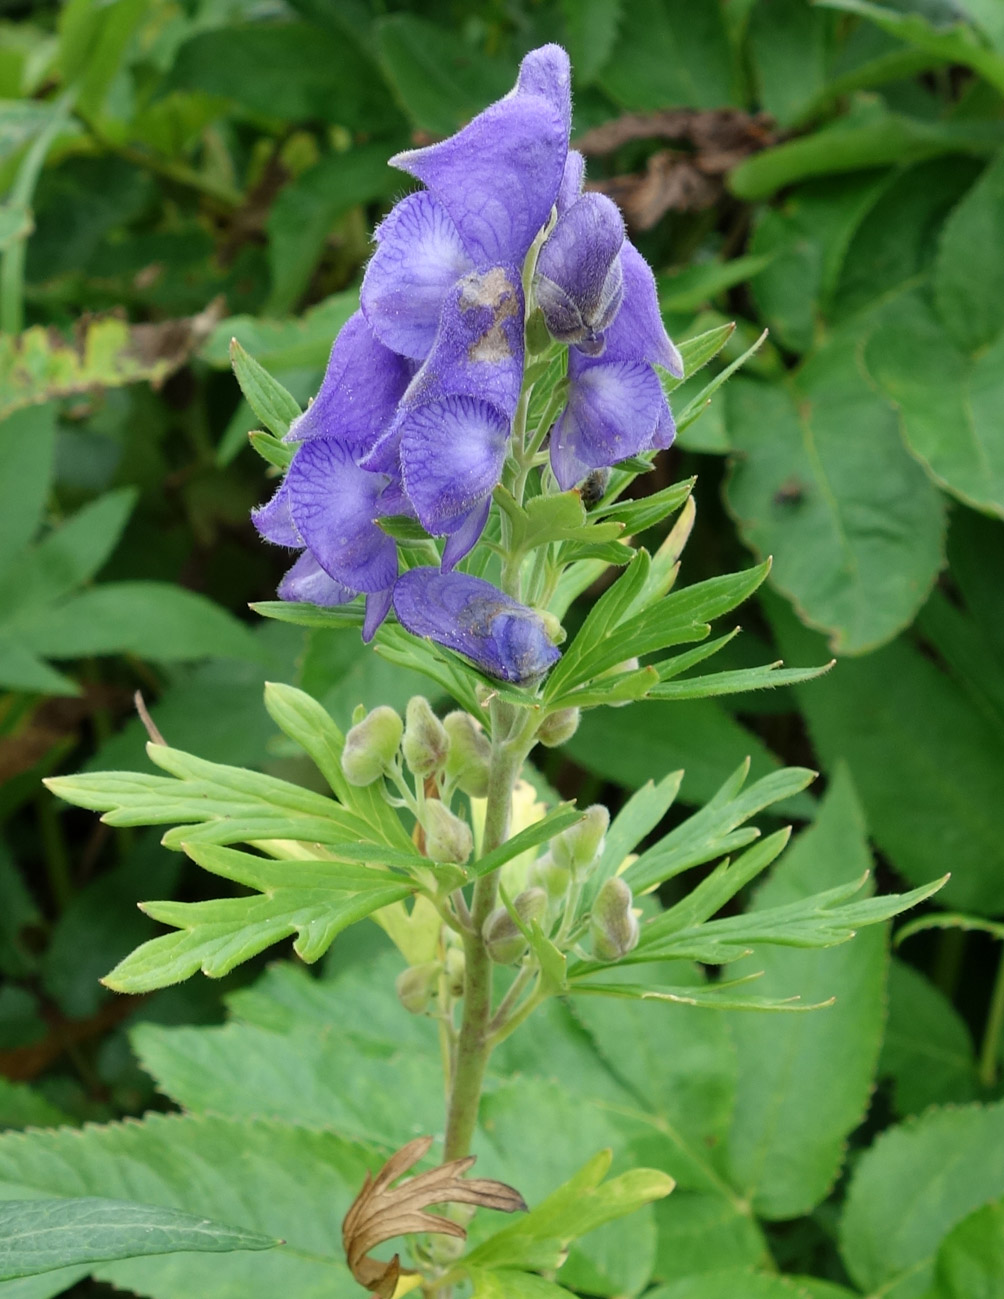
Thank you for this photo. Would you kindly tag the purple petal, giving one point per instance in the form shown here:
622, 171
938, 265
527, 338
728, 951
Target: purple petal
479, 347
572, 181
638, 333
377, 609
614, 409
547, 71
275, 522
419, 258
334, 503
452, 453
579, 280
502, 637
498, 178
462, 541
363, 383
665, 431
308, 583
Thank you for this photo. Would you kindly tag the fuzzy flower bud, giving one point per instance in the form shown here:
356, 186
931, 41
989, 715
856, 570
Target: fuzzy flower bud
613, 925
455, 964
370, 746
503, 938
578, 847
558, 727
425, 741
552, 878
416, 986
447, 838
469, 758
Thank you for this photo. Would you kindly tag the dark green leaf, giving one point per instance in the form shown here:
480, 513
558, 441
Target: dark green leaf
969, 274
668, 54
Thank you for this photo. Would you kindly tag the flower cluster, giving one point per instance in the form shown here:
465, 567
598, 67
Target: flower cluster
417, 409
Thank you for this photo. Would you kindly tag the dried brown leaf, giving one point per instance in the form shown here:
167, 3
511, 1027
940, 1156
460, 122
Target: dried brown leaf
381, 1211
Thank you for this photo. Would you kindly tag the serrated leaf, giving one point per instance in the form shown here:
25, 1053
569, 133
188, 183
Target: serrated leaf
41, 1235
736, 682
266, 396
816, 462
789, 1129
637, 515
282, 1181
927, 1049
272, 449
970, 1262
948, 401
911, 1188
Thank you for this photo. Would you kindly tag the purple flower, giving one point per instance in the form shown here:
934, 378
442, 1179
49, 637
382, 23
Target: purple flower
499, 635
490, 191
616, 406
579, 282
328, 504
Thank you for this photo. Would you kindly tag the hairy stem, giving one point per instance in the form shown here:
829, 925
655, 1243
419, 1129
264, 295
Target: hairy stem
509, 748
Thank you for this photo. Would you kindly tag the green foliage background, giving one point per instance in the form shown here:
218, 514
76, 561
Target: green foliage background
177, 172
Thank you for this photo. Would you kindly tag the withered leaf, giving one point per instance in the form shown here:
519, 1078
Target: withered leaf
380, 1211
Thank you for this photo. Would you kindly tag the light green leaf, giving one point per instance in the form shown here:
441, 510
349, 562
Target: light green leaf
41, 1235
969, 272
20, 121
956, 44
27, 446
278, 1180
507, 1283
928, 766
315, 900
970, 1263
730, 1283
927, 1049
789, 1128
590, 33
542, 1237
816, 464
22, 670
106, 352
730, 683
16, 223
307, 210
282, 344
670, 53
948, 402
23, 1107
878, 140
302, 1073
700, 1232
438, 78
266, 396
152, 619
911, 1188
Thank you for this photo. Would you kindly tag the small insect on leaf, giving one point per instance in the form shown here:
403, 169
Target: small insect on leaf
380, 1212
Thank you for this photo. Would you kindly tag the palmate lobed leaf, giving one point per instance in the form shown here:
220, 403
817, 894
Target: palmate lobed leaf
41, 1235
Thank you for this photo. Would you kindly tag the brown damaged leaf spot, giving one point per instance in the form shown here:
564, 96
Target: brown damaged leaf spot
103, 352
679, 180
380, 1211
493, 290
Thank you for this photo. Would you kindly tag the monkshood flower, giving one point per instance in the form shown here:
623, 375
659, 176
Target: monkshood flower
502, 637
328, 504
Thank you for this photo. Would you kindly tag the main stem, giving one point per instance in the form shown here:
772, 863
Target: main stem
473, 1049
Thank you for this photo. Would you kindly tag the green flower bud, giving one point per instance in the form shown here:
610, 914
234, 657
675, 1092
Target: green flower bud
416, 986
503, 938
552, 878
425, 741
455, 964
469, 758
558, 727
538, 336
370, 746
578, 847
613, 925
447, 838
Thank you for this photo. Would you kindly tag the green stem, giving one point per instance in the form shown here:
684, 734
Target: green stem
992, 1033
509, 748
